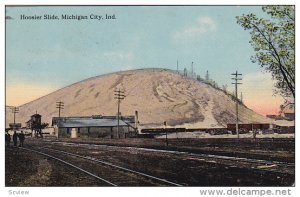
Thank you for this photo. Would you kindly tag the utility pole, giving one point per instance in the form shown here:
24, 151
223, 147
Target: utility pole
242, 97
15, 110
136, 117
165, 125
192, 69
236, 82
59, 106
177, 66
119, 95
207, 76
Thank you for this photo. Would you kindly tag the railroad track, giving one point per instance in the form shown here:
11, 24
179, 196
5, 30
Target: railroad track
256, 165
103, 155
117, 175
212, 156
71, 165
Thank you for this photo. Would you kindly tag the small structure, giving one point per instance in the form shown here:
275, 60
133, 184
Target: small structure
287, 110
36, 125
35, 120
16, 126
94, 126
288, 113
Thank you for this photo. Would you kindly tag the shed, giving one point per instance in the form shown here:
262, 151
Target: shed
88, 126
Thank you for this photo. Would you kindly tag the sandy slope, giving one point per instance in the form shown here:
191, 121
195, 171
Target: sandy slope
158, 95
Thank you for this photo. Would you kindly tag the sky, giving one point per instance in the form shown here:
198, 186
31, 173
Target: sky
46, 55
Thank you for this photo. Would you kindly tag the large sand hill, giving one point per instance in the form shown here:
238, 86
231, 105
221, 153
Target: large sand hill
158, 95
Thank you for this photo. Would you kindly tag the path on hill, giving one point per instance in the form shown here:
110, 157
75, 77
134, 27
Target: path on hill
209, 119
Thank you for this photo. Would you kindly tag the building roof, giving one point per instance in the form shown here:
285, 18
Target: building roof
289, 108
88, 122
37, 115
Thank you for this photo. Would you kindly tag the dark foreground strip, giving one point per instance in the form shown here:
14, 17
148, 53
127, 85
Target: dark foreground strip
69, 164
231, 158
115, 166
244, 159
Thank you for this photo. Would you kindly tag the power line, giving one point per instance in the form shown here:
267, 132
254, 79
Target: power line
59, 106
119, 95
236, 83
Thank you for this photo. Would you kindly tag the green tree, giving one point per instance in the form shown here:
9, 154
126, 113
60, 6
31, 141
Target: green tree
273, 41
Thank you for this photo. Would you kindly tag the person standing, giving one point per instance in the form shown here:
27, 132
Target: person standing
15, 138
7, 139
21, 138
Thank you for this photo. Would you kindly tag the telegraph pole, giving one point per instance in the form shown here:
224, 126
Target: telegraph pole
242, 97
119, 95
165, 125
15, 110
236, 82
59, 106
192, 69
207, 76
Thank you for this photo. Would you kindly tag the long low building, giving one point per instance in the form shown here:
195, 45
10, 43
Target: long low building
94, 126
244, 128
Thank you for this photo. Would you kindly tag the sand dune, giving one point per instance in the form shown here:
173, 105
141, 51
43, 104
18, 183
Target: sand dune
158, 95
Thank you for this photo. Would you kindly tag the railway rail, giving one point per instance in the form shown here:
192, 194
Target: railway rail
256, 165
212, 156
114, 164
69, 164
120, 178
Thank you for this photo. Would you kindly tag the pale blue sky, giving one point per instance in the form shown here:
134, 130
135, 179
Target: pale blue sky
57, 53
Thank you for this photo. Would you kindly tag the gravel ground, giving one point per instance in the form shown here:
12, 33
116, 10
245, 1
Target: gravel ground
277, 149
27, 169
187, 170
